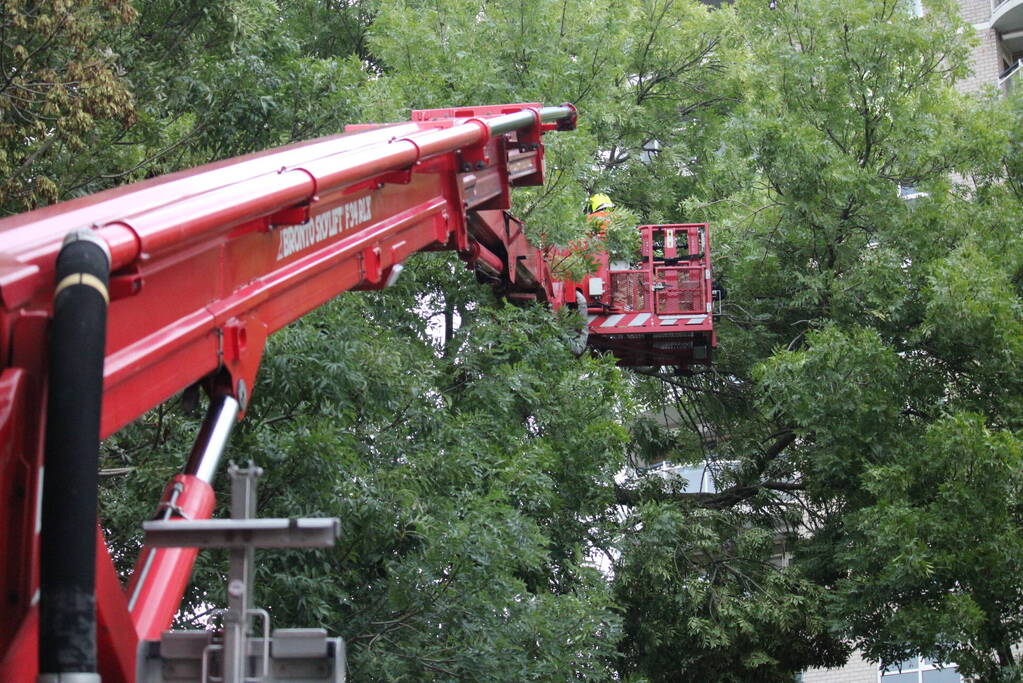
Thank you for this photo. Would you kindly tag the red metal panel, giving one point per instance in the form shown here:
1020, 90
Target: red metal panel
20, 660
681, 289
34, 238
170, 334
140, 376
19, 479
630, 290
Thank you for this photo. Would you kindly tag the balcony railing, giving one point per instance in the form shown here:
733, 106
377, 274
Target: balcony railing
1008, 80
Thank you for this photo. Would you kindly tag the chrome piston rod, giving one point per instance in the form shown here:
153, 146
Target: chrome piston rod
212, 440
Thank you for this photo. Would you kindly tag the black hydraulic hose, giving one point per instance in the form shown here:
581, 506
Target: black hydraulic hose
67, 602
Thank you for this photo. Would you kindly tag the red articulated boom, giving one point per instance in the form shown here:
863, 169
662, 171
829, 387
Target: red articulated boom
187, 275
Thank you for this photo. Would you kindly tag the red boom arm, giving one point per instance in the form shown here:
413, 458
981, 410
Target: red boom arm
205, 264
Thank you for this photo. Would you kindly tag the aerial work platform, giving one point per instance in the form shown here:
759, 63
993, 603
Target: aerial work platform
113, 303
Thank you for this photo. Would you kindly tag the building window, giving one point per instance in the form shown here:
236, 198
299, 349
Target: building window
919, 670
910, 193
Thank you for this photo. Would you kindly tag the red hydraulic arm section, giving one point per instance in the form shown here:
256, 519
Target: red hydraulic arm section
204, 264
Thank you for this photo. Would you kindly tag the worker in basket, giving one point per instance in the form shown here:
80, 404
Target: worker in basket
598, 205
598, 210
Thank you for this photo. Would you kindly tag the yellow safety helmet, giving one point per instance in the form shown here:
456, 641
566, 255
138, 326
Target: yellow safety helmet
599, 202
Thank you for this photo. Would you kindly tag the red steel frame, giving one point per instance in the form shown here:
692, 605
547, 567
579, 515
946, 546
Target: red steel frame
208, 262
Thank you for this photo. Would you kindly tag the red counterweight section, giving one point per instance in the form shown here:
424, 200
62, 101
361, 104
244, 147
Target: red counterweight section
208, 262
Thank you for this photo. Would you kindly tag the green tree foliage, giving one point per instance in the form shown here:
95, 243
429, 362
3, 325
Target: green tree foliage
466, 500
881, 335
59, 83
862, 417
701, 596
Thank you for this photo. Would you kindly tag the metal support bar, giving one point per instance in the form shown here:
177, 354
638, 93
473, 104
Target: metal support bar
307, 532
233, 655
239, 586
509, 122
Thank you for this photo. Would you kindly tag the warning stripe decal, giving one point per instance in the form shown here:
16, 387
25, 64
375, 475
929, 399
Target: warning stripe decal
612, 321
641, 320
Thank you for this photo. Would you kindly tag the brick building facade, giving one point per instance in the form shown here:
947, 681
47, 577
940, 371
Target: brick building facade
996, 59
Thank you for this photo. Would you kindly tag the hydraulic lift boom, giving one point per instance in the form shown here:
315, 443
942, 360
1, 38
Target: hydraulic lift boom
113, 303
